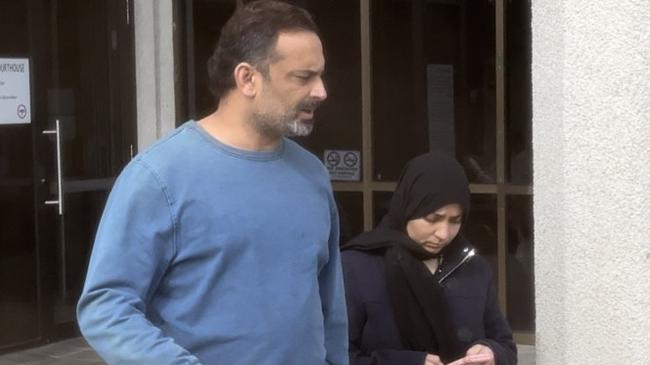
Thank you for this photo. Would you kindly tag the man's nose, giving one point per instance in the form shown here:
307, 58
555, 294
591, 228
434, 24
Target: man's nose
318, 92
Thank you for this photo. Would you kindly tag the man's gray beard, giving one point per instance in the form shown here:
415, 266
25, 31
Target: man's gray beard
297, 128
286, 127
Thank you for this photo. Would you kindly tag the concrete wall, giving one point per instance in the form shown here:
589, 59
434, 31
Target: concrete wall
154, 69
591, 143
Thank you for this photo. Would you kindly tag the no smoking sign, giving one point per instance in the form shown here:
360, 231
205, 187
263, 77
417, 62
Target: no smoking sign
343, 165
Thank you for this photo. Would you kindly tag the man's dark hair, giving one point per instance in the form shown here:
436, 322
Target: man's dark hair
250, 35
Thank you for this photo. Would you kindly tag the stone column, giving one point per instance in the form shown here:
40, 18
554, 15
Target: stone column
591, 143
154, 54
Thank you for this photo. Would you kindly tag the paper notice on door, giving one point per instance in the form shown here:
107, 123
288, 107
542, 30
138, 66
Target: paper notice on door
15, 101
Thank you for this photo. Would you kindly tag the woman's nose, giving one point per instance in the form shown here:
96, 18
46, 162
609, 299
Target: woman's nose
443, 232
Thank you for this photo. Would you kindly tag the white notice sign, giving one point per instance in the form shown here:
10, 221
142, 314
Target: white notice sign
343, 165
15, 106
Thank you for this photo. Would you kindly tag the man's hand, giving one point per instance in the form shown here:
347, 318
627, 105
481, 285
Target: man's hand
476, 355
432, 360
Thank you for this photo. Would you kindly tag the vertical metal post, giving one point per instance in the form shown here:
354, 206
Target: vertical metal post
189, 61
500, 54
366, 115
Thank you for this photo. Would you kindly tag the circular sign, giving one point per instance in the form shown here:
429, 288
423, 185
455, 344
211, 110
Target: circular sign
21, 111
350, 159
333, 159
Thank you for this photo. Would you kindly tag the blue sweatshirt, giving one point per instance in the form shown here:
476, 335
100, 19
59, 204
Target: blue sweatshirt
211, 255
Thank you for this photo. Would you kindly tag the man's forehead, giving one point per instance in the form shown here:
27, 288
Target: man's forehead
301, 48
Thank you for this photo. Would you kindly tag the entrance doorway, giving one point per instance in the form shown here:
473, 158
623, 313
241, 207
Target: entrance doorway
56, 171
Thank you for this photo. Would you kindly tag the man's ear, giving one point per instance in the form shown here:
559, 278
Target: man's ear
246, 78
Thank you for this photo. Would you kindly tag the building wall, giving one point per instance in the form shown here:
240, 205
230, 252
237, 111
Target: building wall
591, 143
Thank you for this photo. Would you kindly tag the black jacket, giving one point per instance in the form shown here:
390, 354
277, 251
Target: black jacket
374, 336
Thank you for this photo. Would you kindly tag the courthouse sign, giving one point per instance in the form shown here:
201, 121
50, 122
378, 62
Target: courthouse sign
15, 103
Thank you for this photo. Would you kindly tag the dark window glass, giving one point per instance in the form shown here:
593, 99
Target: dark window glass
433, 75
14, 40
476, 94
381, 205
481, 228
338, 120
84, 208
519, 97
399, 122
18, 271
520, 265
18, 281
350, 205
207, 18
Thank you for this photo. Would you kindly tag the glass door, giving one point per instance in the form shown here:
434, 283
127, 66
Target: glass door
55, 173
86, 136
19, 274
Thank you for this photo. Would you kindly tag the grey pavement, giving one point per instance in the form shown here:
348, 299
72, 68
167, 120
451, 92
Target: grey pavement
68, 352
77, 352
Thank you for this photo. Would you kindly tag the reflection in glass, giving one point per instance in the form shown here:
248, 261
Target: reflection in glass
520, 265
350, 206
519, 137
433, 75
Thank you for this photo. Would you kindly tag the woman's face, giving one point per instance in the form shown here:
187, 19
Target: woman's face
436, 230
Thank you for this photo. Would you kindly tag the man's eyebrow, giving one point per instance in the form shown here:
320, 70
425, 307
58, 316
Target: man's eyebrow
306, 71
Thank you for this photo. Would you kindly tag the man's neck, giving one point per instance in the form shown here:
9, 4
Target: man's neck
232, 127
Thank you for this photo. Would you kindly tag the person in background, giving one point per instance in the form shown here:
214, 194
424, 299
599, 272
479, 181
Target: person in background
219, 244
417, 292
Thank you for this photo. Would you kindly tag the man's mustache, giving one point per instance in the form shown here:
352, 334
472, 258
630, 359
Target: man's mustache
309, 104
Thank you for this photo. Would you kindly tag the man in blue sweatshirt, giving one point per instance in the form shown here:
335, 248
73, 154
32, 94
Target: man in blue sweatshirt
219, 244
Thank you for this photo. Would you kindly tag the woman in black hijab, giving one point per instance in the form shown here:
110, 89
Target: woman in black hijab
416, 292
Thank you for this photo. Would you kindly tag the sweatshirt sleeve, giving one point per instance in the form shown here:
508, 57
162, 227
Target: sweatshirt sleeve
332, 293
497, 331
356, 321
134, 245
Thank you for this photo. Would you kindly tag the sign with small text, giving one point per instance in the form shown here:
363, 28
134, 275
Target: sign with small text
343, 165
15, 103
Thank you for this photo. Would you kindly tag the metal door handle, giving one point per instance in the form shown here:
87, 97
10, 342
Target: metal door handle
59, 172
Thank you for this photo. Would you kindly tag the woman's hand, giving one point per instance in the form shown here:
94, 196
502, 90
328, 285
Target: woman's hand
476, 355
432, 360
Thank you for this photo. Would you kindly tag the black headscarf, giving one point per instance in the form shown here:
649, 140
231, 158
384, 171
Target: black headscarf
428, 182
